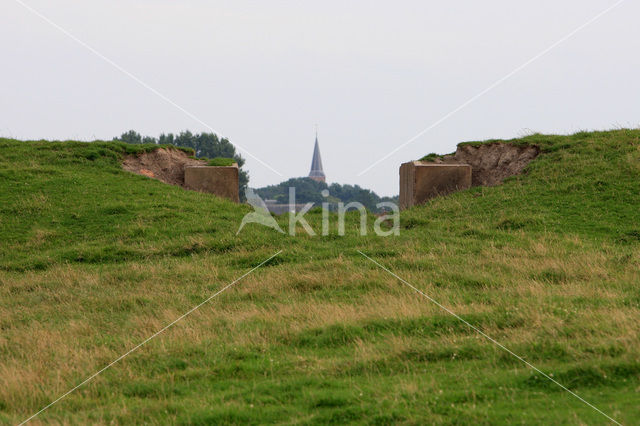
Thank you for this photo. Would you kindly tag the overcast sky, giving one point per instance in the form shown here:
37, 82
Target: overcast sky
371, 74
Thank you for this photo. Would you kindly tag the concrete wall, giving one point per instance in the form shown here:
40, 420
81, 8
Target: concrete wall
420, 181
220, 181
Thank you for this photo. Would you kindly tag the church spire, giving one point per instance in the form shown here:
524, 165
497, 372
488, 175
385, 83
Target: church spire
316, 172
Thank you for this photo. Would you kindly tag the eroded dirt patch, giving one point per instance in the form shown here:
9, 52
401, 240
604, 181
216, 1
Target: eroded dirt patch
492, 163
166, 165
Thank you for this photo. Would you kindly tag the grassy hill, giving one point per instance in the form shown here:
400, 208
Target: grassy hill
93, 260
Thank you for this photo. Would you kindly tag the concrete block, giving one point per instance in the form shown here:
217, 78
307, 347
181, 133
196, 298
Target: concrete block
420, 181
220, 181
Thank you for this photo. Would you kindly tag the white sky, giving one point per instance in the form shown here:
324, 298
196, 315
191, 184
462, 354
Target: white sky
372, 74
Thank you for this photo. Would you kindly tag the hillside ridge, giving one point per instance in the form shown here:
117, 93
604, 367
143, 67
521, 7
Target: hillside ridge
95, 259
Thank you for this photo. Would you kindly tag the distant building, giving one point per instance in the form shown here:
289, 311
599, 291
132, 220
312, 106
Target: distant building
277, 208
316, 172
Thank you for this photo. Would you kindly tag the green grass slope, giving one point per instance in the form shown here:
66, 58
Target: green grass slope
93, 260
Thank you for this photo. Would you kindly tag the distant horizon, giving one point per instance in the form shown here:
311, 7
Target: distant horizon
329, 181
389, 83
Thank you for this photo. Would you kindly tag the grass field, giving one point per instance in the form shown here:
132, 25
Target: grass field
93, 260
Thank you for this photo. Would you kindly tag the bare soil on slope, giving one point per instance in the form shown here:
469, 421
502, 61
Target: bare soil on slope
166, 165
492, 163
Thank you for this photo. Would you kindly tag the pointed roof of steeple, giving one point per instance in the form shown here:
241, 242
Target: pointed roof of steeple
316, 162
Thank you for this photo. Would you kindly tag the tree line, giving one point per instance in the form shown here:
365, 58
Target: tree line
310, 191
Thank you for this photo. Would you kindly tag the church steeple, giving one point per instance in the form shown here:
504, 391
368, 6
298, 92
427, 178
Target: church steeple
316, 172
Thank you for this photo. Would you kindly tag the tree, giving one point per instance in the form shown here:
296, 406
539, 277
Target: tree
205, 145
130, 137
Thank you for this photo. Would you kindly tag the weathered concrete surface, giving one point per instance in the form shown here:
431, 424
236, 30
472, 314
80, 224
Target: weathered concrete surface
220, 181
420, 181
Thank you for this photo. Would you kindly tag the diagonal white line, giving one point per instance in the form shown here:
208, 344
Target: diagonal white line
496, 84
136, 79
492, 340
88, 379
